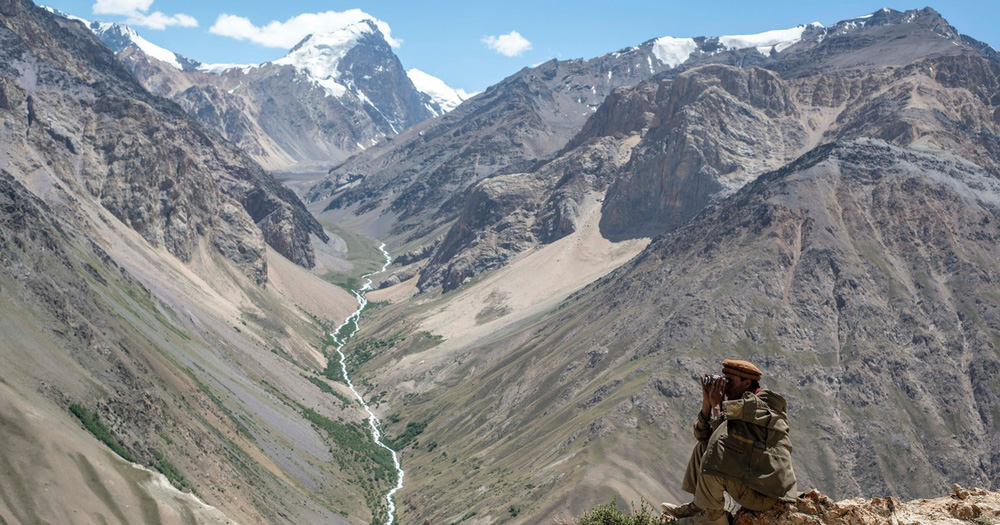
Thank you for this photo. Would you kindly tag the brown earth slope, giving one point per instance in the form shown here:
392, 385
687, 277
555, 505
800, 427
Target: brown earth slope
862, 278
132, 264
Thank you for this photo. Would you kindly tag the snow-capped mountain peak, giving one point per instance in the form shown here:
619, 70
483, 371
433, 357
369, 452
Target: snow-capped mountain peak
319, 55
119, 36
446, 97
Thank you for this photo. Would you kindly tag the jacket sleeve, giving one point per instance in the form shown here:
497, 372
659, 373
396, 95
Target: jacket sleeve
703, 428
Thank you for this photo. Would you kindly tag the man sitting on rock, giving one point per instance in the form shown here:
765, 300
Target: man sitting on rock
743, 448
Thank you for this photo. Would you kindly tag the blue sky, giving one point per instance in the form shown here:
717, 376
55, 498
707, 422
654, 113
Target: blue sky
447, 38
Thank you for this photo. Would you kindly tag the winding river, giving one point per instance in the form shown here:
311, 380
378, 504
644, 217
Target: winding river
373, 421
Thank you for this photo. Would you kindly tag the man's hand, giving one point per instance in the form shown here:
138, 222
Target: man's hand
712, 394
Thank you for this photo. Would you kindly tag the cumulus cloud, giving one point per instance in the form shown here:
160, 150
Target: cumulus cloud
511, 44
290, 32
136, 13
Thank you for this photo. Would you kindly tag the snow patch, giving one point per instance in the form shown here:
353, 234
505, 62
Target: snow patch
123, 36
128, 34
671, 51
444, 95
778, 39
217, 69
317, 56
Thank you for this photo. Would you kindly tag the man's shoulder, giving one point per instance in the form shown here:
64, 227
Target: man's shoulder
772, 399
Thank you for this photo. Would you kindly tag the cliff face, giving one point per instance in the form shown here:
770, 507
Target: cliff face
717, 129
693, 137
526, 118
77, 126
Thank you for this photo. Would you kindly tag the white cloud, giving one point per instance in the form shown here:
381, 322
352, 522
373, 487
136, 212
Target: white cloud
122, 7
136, 13
290, 32
511, 44
158, 20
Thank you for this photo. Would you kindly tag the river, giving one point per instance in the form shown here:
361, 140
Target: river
373, 421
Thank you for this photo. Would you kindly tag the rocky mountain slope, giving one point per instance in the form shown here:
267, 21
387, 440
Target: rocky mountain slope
836, 224
862, 278
331, 96
77, 124
412, 181
698, 136
149, 375
825, 203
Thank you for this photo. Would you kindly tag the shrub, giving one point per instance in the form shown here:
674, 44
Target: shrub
610, 514
93, 424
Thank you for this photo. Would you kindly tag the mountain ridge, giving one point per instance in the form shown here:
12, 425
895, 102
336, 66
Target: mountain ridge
704, 132
250, 108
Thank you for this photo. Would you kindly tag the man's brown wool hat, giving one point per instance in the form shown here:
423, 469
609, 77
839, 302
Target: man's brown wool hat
744, 369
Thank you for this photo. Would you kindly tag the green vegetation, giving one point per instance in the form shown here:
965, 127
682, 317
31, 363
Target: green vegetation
93, 424
327, 388
363, 352
514, 511
428, 335
170, 471
372, 463
413, 429
333, 371
352, 437
346, 330
361, 252
610, 514
376, 305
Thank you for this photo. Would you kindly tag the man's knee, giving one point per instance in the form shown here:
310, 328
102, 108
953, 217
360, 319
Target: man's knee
748, 498
708, 494
690, 480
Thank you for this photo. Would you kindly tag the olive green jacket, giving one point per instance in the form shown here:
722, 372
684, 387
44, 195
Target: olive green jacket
750, 444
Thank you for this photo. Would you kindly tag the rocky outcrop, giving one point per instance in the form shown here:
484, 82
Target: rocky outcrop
75, 118
713, 129
813, 508
524, 119
702, 134
884, 38
506, 215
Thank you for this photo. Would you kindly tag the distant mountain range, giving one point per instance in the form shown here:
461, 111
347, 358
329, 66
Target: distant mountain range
527, 118
699, 137
331, 96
